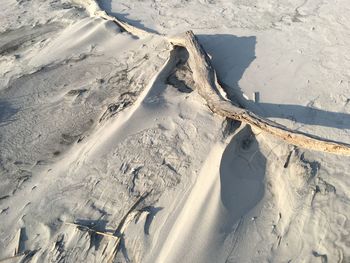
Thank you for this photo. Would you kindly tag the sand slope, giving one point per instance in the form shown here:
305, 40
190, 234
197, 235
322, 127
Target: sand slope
92, 118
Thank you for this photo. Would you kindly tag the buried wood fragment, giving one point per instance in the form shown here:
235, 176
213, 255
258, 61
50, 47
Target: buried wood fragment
89, 229
19, 255
117, 235
128, 217
17, 242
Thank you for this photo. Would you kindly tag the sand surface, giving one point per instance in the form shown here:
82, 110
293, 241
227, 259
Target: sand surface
93, 118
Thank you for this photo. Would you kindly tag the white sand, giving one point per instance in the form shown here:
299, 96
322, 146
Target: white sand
89, 121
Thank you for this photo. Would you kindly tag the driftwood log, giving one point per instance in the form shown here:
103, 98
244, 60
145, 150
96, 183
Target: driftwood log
214, 94
209, 88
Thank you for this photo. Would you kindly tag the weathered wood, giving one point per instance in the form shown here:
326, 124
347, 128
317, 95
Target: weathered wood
117, 235
213, 93
18, 242
126, 220
91, 230
94, 10
209, 88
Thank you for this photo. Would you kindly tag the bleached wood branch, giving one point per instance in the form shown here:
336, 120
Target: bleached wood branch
94, 10
208, 87
17, 241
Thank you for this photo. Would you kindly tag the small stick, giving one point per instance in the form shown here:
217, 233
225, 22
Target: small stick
18, 241
125, 222
118, 233
92, 230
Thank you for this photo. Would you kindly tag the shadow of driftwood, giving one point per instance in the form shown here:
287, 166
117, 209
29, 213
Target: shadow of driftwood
107, 6
242, 173
232, 55
303, 114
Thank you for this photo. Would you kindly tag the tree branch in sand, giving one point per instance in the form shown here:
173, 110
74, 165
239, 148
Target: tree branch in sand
209, 88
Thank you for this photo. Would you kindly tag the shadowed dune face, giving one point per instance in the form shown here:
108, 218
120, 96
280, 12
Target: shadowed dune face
242, 173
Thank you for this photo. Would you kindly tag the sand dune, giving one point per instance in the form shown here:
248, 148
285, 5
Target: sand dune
109, 153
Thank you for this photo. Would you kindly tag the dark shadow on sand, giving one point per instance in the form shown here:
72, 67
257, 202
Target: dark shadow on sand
232, 55
7, 113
